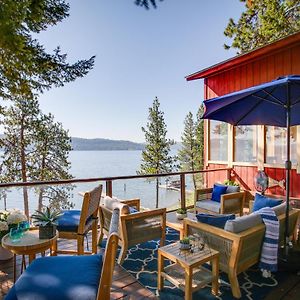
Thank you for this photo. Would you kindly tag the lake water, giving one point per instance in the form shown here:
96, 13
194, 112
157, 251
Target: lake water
91, 164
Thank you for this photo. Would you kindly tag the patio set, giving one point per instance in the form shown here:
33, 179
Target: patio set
213, 233
229, 244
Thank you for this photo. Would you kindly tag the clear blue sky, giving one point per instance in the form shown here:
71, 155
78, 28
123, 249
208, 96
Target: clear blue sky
140, 54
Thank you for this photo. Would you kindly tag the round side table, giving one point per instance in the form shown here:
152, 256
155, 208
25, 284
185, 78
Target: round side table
30, 245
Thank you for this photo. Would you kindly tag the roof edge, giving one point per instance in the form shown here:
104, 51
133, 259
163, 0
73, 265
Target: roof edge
245, 57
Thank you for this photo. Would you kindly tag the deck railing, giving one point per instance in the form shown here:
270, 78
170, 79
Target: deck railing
109, 181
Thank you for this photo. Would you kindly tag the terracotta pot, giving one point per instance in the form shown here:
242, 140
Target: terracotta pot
5, 254
47, 232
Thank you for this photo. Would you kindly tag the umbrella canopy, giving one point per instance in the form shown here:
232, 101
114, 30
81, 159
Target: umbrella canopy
276, 103
264, 104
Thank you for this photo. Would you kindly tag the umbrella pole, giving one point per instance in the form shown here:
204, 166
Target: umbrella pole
288, 166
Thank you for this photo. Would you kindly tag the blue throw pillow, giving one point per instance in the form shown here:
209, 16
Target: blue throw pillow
132, 210
215, 220
261, 201
218, 190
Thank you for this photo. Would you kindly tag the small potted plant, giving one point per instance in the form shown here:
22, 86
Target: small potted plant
185, 243
181, 213
46, 221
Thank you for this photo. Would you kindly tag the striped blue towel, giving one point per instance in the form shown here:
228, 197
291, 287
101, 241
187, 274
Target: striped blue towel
269, 253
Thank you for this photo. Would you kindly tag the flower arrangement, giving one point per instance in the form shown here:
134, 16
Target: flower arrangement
9, 219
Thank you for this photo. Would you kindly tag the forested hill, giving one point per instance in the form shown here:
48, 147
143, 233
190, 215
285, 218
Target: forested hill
81, 144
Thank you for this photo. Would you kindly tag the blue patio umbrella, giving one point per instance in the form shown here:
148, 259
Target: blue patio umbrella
276, 103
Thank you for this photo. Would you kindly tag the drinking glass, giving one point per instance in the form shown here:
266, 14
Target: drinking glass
24, 226
15, 234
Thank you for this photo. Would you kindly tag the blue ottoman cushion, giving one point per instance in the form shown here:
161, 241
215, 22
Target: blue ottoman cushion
60, 277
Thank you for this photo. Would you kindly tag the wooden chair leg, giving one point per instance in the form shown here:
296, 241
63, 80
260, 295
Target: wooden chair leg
80, 244
94, 238
235, 288
122, 255
100, 237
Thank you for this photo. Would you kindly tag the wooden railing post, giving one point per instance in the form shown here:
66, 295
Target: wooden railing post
229, 174
109, 188
182, 191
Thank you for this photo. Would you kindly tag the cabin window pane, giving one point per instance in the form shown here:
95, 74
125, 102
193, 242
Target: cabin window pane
276, 145
218, 141
245, 143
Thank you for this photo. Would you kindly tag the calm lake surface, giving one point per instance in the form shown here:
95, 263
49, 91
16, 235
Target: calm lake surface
91, 164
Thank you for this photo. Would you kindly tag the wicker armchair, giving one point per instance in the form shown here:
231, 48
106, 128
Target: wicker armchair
230, 202
136, 227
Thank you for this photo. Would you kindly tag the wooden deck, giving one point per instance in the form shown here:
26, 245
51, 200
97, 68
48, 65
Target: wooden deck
124, 286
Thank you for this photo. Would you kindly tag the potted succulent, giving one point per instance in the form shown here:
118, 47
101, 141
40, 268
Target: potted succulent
46, 221
181, 213
185, 243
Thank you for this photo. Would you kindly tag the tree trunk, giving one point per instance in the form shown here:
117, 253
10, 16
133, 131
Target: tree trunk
23, 171
40, 203
157, 191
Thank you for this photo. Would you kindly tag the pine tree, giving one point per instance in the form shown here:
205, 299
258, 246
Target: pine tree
190, 155
35, 149
26, 67
156, 158
52, 146
19, 124
199, 143
187, 153
263, 21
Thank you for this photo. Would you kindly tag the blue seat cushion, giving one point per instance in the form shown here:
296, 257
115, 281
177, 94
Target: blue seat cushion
215, 220
218, 190
261, 201
59, 277
69, 220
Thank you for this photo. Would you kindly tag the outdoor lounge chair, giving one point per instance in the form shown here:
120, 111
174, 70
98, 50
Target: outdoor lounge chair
75, 224
232, 202
70, 277
135, 226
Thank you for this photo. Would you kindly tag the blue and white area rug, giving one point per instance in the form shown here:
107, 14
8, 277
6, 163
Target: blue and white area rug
141, 262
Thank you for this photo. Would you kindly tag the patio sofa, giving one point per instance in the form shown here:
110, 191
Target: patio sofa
240, 242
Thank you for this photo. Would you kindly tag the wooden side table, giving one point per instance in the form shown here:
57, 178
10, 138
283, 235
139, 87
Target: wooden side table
187, 272
30, 245
173, 222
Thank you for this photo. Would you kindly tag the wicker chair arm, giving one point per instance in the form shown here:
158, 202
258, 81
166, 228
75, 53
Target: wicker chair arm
146, 214
136, 203
232, 202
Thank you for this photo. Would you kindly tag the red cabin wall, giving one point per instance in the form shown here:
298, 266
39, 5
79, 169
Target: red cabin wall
263, 69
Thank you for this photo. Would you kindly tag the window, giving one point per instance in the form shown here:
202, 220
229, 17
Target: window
218, 133
276, 145
245, 143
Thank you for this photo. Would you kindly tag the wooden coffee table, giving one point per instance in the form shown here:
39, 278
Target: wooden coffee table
30, 245
173, 222
187, 272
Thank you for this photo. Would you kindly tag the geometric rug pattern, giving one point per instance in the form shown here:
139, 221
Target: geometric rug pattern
141, 262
